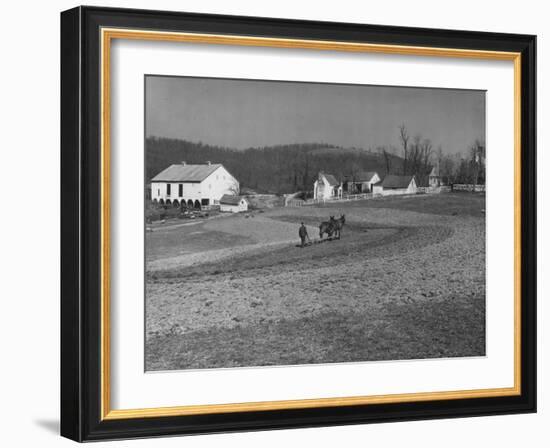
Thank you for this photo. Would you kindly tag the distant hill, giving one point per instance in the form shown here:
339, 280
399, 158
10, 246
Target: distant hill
275, 169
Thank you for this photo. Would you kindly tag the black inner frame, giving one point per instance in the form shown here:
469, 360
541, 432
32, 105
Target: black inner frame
81, 221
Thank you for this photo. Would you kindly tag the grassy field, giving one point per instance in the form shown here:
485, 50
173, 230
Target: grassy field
405, 281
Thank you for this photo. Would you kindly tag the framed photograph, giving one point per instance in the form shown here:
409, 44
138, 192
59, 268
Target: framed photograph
273, 223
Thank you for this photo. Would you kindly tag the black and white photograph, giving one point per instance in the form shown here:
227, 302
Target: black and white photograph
291, 223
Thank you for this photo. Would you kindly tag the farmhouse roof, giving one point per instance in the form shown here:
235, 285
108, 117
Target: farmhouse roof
229, 199
365, 176
186, 172
331, 180
393, 181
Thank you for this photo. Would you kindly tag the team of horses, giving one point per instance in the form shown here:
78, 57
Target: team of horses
332, 227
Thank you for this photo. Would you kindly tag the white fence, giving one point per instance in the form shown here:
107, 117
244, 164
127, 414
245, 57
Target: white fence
351, 197
440, 189
468, 187
363, 196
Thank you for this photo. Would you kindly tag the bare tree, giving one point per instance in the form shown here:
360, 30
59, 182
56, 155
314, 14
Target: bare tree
404, 138
414, 162
463, 172
386, 153
477, 161
425, 158
234, 188
439, 158
448, 169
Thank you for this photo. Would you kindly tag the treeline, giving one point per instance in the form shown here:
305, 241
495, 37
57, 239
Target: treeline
291, 168
275, 169
468, 168
418, 157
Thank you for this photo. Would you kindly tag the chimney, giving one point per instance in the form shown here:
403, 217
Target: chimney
208, 162
183, 162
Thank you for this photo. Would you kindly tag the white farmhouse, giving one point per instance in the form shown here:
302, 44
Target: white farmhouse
362, 182
326, 187
233, 204
393, 185
193, 185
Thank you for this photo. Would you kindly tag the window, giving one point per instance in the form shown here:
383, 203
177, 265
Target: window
180, 190
168, 188
158, 191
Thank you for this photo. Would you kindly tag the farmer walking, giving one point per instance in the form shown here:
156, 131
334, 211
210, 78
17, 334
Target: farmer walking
303, 234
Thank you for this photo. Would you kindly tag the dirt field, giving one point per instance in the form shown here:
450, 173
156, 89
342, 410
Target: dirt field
405, 281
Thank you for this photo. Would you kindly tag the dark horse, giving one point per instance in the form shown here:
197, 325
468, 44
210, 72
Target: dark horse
338, 224
327, 227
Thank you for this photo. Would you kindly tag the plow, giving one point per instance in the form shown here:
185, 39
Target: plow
331, 227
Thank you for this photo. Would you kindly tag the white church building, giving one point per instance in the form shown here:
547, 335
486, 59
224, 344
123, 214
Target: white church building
193, 185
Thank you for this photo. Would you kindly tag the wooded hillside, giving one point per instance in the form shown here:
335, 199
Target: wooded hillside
275, 169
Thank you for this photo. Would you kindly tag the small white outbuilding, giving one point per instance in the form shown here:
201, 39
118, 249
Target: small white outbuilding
233, 204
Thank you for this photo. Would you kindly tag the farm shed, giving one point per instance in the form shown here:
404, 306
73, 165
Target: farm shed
193, 185
233, 204
326, 187
394, 185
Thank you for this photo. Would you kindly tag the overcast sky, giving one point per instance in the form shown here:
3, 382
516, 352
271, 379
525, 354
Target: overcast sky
243, 113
